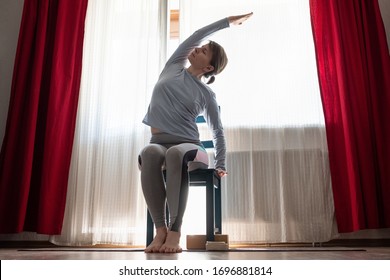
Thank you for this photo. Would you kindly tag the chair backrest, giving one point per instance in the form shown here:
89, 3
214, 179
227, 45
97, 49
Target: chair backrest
208, 144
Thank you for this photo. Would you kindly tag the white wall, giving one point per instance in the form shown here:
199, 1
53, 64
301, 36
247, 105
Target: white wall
10, 16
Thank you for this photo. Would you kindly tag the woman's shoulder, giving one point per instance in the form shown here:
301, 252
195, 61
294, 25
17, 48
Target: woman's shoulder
171, 68
209, 91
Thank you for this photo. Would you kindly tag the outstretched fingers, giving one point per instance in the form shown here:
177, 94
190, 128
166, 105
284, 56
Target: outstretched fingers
238, 20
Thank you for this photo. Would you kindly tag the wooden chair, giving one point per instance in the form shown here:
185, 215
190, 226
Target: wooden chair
201, 178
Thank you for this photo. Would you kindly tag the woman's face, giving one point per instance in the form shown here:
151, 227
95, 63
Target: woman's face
200, 57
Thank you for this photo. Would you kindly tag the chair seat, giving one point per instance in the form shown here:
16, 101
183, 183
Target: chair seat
198, 177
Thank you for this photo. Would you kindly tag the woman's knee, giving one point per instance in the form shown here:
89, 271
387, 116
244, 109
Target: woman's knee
153, 153
181, 154
174, 154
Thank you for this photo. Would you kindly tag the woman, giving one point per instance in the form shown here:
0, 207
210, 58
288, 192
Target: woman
179, 96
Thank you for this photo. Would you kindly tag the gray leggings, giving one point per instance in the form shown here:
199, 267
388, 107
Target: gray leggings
176, 156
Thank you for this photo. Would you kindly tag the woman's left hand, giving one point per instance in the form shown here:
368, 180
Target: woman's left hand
221, 173
238, 20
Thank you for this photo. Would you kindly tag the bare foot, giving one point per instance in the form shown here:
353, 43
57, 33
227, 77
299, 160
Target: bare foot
172, 243
158, 241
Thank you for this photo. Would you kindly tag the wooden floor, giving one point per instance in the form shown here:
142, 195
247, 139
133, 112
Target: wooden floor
247, 253
303, 263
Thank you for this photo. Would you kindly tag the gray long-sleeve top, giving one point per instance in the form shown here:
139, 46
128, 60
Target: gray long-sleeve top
178, 97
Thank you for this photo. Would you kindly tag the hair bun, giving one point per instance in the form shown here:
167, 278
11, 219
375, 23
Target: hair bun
211, 80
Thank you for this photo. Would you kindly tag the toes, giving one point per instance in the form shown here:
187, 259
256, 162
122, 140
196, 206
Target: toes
170, 250
162, 249
153, 248
166, 249
149, 250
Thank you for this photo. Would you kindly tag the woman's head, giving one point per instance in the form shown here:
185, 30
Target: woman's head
209, 60
219, 60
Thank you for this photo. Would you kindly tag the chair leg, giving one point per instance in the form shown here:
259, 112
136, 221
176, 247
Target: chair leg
210, 208
218, 207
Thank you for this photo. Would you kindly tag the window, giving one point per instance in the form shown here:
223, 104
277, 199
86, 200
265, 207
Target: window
271, 79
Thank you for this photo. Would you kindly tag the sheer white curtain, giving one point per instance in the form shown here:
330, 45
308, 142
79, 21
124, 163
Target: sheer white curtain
120, 66
278, 188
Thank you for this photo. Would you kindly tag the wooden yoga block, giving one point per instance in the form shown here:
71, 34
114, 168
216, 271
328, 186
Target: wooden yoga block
198, 242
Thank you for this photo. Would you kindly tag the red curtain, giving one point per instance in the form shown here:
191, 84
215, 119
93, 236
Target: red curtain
354, 75
36, 151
